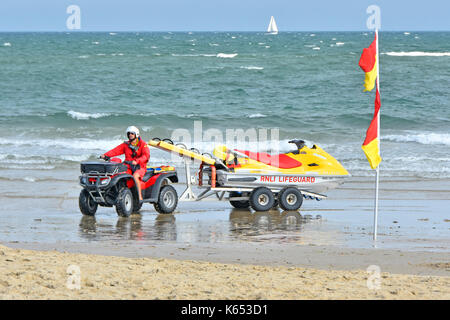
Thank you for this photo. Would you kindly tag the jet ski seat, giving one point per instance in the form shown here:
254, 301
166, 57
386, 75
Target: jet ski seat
281, 161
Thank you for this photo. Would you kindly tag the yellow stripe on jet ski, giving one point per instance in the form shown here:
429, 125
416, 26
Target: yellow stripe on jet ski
180, 151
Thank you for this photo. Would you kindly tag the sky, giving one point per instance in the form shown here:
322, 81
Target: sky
223, 15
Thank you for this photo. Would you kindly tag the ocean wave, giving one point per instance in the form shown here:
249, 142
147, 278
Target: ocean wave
7, 44
316, 48
418, 54
226, 55
257, 115
85, 116
74, 144
340, 43
422, 138
252, 68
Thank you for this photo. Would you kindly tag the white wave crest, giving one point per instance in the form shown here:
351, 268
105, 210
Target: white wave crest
252, 68
72, 144
226, 55
418, 54
85, 116
257, 115
340, 43
7, 44
422, 138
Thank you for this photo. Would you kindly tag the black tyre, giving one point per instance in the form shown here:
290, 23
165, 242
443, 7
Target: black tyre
124, 202
167, 200
261, 199
290, 199
238, 204
137, 205
87, 205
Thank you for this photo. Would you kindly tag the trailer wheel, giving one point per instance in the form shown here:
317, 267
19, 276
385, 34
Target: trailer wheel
261, 199
87, 205
124, 202
238, 204
167, 200
290, 199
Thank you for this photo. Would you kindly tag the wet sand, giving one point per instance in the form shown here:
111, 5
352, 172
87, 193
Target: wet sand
321, 252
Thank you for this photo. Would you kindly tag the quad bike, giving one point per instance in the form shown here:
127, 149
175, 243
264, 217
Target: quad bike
111, 183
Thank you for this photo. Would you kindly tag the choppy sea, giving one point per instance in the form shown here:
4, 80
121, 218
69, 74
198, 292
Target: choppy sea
68, 97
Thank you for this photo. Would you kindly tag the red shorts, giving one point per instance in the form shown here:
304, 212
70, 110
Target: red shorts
140, 171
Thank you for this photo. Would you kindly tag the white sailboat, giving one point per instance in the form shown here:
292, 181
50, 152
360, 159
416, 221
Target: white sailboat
272, 29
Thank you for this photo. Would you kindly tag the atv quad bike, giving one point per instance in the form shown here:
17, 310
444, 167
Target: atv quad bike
111, 183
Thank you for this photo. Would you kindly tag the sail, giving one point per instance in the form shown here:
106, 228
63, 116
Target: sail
272, 26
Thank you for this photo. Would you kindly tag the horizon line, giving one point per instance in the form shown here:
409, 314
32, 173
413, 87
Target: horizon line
221, 31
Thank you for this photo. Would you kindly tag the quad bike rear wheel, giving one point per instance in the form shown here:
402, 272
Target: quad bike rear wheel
87, 205
167, 200
124, 202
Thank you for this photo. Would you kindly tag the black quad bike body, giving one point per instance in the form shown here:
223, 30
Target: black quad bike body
111, 183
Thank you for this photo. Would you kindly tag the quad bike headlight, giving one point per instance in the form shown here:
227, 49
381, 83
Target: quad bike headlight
104, 182
83, 180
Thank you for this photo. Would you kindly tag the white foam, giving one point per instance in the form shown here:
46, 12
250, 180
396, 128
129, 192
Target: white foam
95, 42
340, 43
90, 145
422, 138
252, 68
406, 33
316, 48
112, 33
418, 54
7, 44
83, 57
257, 115
226, 55
85, 116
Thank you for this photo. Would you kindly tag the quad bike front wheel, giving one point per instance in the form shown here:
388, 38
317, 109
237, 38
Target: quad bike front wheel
167, 200
87, 205
124, 202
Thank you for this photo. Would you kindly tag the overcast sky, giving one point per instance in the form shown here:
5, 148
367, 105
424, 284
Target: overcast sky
223, 15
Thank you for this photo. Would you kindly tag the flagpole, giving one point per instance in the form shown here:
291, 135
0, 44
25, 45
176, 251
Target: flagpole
377, 175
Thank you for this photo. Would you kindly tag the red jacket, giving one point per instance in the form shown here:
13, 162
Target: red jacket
142, 154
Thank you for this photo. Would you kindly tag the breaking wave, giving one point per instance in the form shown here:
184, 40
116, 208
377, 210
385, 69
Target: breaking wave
226, 55
418, 54
422, 138
85, 116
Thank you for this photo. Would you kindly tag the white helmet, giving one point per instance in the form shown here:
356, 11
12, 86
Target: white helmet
133, 129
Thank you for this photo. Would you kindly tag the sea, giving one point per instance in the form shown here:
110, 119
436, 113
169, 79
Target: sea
69, 97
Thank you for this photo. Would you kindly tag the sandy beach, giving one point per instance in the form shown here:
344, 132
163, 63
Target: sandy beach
29, 274
209, 251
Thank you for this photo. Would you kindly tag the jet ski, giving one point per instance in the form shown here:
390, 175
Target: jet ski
308, 169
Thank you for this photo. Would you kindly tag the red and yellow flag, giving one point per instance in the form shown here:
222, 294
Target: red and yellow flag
371, 145
368, 64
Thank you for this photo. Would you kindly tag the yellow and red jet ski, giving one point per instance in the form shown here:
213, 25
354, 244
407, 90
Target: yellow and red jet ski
308, 169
